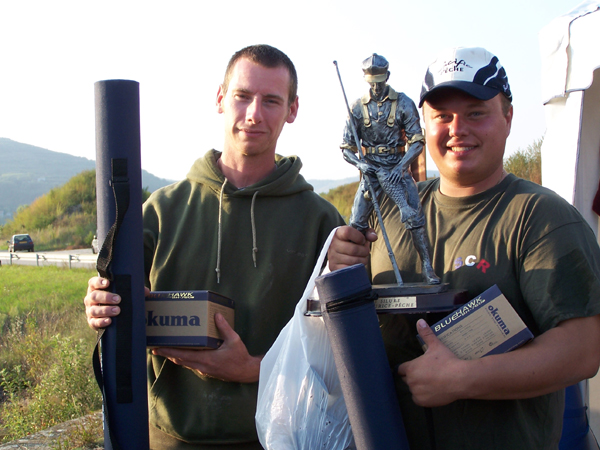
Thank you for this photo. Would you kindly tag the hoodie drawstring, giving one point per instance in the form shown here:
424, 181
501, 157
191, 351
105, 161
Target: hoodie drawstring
254, 246
219, 234
218, 269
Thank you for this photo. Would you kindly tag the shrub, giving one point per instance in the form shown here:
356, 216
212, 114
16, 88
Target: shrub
51, 390
45, 351
342, 197
527, 164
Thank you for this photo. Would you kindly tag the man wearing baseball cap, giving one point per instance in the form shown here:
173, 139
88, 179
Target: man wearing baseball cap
486, 227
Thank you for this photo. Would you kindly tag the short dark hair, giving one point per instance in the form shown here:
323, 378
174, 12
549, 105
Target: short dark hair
506, 104
266, 56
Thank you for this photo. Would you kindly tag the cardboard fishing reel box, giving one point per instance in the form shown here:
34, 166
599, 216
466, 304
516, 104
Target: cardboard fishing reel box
487, 325
186, 319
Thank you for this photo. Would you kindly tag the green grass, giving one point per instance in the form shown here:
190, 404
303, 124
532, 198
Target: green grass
49, 289
45, 350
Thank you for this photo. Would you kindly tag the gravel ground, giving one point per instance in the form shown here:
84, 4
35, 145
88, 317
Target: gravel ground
50, 439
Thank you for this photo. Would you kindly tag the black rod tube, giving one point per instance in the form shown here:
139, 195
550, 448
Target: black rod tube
118, 139
360, 359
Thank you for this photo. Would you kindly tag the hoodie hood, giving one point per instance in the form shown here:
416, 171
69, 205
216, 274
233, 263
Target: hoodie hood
284, 180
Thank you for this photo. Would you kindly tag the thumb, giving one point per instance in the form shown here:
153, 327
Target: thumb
427, 334
224, 328
371, 235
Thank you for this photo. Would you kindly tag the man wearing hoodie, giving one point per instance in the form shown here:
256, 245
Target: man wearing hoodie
245, 224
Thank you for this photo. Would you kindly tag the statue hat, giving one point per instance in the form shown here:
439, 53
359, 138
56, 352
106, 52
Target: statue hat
375, 68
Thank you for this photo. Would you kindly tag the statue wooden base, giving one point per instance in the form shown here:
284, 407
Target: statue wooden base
409, 298
412, 298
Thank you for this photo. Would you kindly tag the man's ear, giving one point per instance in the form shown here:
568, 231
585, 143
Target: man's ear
220, 99
509, 118
293, 111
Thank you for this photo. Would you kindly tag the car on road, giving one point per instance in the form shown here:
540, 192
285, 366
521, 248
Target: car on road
20, 242
95, 245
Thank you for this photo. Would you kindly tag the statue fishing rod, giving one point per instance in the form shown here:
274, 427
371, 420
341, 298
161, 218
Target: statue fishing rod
368, 182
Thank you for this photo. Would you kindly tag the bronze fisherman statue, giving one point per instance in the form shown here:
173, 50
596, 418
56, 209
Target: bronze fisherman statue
387, 125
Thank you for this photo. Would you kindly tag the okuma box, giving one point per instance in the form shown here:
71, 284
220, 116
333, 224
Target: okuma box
486, 325
186, 318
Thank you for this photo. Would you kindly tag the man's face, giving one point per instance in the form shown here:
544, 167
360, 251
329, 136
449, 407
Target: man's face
255, 108
466, 138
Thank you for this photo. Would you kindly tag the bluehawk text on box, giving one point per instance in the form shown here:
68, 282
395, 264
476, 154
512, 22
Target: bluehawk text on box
484, 326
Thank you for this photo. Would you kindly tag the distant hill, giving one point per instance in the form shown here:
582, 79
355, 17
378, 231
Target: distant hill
63, 218
27, 172
324, 186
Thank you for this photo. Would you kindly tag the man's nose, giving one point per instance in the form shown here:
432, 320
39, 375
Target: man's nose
458, 127
254, 111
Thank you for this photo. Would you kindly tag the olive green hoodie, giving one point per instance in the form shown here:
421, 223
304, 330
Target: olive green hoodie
256, 245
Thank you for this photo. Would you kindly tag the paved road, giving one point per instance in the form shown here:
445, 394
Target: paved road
79, 258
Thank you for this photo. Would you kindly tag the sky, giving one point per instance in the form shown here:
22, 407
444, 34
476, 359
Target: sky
52, 53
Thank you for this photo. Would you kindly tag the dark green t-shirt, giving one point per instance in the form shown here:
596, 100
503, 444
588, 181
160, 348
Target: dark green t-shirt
544, 258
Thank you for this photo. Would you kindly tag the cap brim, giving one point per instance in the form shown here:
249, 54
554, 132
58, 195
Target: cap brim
475, 90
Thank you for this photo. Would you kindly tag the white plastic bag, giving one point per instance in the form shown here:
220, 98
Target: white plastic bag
300, 402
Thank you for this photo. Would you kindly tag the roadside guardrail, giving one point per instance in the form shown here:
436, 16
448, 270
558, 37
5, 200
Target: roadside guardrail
41, 259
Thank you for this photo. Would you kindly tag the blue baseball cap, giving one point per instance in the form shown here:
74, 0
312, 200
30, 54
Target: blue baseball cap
474, 71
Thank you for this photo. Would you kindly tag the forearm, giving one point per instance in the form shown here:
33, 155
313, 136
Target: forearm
350, 156
558, 358
554, 360
413, 152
